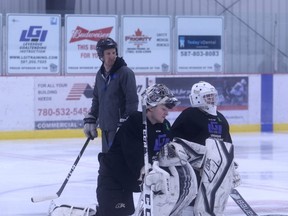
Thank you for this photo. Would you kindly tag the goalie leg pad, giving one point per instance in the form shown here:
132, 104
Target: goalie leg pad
216, 180
174, 188
187, 188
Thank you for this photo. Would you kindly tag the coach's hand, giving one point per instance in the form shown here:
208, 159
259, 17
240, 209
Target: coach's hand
90, 127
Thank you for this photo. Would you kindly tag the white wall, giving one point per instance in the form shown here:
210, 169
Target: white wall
280, 103
19, 101
16, 103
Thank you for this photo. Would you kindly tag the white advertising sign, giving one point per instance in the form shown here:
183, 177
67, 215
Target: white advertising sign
82, 34
33, 44
199, 44
62, 102
146, 43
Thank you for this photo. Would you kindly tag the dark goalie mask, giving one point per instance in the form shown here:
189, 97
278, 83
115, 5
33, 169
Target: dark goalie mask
159, 94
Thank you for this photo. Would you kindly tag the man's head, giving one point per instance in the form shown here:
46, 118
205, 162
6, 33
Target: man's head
106, 44
204, 96
158, 99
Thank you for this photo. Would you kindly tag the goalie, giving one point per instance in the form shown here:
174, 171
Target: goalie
120, 167
203, 124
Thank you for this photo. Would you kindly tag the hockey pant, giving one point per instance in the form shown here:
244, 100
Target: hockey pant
112, 198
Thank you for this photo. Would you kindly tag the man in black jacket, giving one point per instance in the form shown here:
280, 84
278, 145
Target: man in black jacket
121, 166
114, 96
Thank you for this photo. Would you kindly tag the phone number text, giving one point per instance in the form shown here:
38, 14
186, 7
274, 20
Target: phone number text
199, 53
62, 111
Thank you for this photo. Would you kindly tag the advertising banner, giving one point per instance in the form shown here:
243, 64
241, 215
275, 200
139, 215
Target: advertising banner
146, 43
62, 103
33, 44
232, 94
199, 44
81, 36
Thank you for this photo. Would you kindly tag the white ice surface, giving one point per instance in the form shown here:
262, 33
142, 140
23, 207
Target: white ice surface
30, 168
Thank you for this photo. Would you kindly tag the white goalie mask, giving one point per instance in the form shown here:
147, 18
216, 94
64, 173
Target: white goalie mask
159, 94
204, 96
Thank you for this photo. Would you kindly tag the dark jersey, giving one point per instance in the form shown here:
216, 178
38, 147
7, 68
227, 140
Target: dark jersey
196, 126
125, 158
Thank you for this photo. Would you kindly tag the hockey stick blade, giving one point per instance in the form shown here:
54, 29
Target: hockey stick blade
43, 198
245, 207
239, 200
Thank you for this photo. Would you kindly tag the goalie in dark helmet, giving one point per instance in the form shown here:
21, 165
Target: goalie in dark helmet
120, 167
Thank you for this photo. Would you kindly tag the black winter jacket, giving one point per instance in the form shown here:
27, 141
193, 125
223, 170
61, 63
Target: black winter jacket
115, 96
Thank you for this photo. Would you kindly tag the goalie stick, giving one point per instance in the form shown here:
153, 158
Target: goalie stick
245, 207
148, 195
59, 192
239, 200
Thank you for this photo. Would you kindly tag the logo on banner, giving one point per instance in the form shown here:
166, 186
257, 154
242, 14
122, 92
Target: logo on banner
212, 42
138, 39
83, 34
79, 89
33, 34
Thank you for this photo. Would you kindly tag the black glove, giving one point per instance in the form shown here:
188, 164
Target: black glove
90, 127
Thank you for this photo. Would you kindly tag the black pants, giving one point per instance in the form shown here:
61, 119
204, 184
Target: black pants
112, 199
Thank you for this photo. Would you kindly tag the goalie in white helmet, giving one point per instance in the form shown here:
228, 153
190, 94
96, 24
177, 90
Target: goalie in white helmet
202, 123
204, 96
202, 120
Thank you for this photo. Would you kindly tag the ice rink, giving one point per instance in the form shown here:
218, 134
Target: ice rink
38, 167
